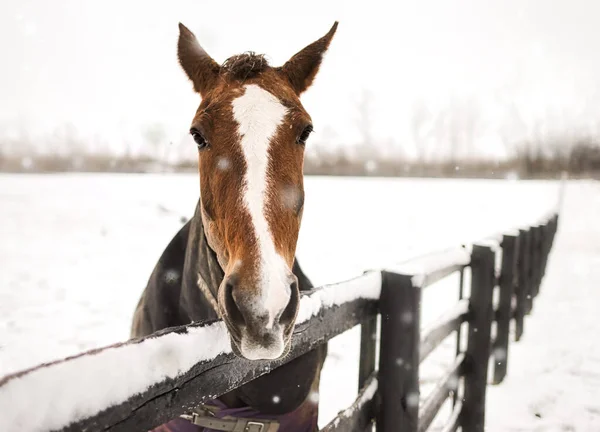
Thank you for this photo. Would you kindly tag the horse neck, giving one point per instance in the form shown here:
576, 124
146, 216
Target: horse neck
200, 266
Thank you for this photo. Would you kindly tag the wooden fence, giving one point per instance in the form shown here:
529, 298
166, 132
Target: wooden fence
140, 384
523, 263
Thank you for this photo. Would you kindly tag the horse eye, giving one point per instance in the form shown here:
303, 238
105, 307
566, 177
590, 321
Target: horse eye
304, 135
200, 140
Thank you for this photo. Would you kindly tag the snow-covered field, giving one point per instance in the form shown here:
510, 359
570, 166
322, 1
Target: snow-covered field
76, 251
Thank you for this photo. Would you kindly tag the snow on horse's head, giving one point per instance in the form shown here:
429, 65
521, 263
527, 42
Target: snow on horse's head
251, 129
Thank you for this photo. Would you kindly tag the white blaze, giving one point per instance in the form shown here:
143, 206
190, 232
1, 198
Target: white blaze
259, 114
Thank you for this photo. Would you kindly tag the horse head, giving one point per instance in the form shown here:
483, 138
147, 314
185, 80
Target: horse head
251, 130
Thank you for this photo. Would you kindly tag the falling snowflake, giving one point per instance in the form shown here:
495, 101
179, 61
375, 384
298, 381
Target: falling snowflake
407, 317
276, 399
223, 164
371, 166
453, 383
26, 162
500, 354
290, 197
412, 399
171, 276
30, 29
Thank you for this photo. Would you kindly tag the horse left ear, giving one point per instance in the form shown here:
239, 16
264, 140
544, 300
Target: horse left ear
200, 68
302, 68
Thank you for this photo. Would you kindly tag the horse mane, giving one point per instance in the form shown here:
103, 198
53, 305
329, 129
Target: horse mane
246, 65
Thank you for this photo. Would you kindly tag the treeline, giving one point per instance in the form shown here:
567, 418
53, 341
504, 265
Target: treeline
80, 162
579, 159
441, 151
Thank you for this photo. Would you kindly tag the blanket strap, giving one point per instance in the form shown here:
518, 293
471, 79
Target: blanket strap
204, 416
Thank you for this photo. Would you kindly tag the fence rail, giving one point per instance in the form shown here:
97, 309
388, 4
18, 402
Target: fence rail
142, 383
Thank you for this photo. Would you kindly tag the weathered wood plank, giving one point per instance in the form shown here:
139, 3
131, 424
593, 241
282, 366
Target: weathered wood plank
449, 323
454, 421
510, 250
368, 345
522, 281
478, 348
440, 393
433, 267
399, 354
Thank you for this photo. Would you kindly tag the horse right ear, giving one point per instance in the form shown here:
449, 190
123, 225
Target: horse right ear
200, 68
301, 69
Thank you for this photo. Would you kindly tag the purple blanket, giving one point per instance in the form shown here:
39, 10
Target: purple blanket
302, 419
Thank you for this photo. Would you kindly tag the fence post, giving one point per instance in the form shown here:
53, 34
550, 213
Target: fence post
529, 248
522, 282
550, 229
508, 274
368, 330
478, 347
545, 229
461, 288
536, 260
399, 354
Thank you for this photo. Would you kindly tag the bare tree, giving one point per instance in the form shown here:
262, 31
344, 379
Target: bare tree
363, 118
471, 124
448, 133
421, 128
156, 138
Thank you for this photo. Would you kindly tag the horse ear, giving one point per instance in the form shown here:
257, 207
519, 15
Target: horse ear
200, 68
301, 69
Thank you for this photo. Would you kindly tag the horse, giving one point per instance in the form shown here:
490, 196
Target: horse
235, 258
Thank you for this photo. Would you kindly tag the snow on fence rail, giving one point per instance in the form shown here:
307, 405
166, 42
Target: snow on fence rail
139, 384
142, 383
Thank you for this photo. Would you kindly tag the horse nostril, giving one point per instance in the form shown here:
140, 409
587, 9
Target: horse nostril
289, 313
231, 308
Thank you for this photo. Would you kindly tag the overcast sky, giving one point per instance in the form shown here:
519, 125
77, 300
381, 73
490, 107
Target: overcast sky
109, 67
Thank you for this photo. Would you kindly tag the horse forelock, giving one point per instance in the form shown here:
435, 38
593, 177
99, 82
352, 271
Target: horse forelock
244, 66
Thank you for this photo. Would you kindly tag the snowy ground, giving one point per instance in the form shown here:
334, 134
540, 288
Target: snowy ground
553, 381
76, 252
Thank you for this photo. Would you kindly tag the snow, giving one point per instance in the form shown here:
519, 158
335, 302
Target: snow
77, 250
431, 263
553, 381
367, 286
